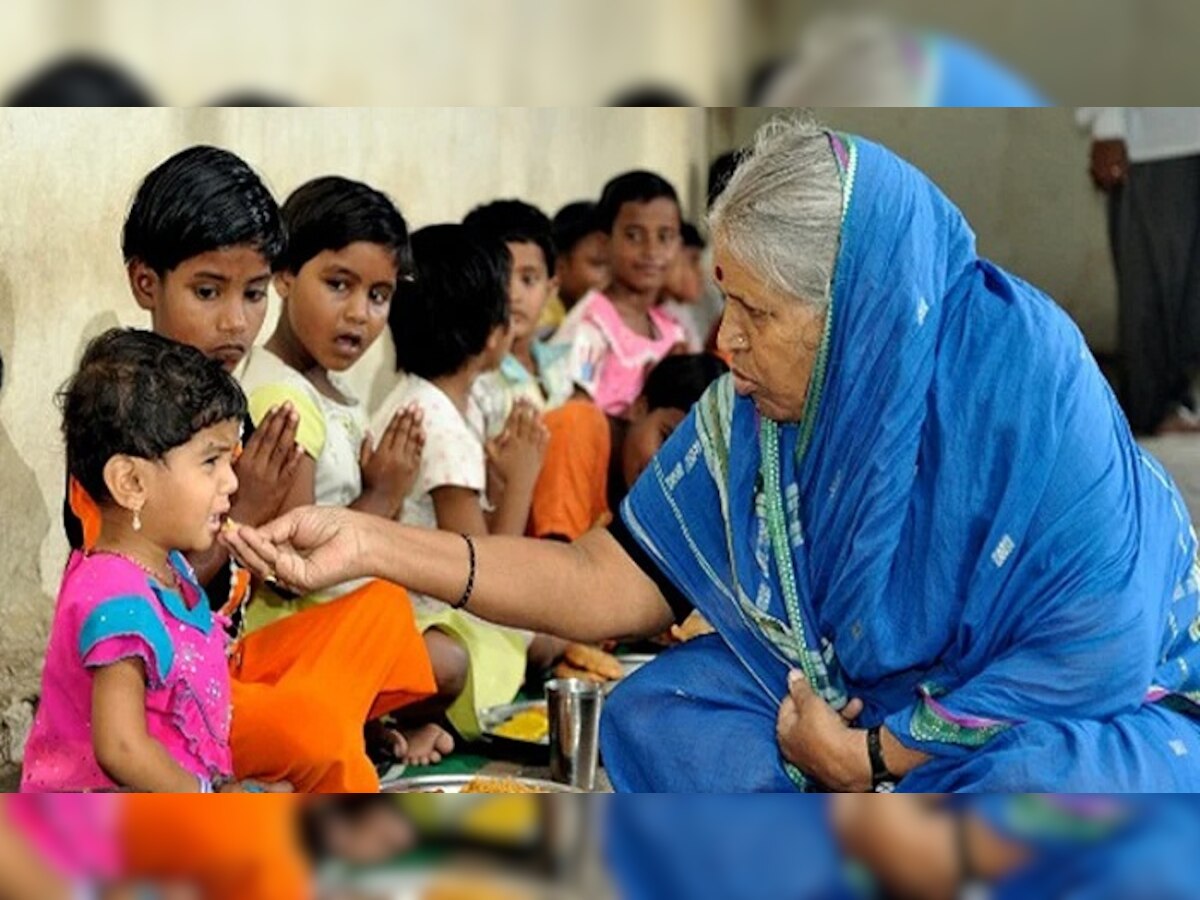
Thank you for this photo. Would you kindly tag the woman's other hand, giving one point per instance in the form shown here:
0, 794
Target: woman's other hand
819, 741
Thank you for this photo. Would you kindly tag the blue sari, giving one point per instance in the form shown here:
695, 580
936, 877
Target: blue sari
961, 532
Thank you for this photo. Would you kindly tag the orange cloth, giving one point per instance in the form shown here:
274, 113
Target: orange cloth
229, 846
571, 496
86, 511
304, 687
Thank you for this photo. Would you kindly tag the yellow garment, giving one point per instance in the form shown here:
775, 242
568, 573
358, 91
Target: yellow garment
310, 433
497, 669
553, 314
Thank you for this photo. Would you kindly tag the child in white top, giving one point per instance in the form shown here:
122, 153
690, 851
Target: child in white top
450, 325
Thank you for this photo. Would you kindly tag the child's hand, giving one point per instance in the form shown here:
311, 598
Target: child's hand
390, 470
251, 786
517, 454
267, 467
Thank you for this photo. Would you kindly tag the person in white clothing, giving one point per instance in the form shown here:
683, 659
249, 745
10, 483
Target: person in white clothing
1147, 159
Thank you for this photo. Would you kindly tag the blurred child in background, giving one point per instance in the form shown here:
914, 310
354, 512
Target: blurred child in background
685, 289
581, 263
618, 335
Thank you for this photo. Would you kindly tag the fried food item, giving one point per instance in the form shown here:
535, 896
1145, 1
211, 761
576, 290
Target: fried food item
229, 525
694, 626
566, 670
532, 725
593, 659
498, 786
464, 887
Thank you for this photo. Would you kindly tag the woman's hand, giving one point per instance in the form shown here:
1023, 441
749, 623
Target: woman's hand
308, 549
390, 470
267, 467
517, 454
819, 741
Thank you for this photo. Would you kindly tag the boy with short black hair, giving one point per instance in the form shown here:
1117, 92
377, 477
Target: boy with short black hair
618, 335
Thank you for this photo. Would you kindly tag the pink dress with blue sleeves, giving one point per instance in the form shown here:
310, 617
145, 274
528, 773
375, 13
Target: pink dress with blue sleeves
109, 610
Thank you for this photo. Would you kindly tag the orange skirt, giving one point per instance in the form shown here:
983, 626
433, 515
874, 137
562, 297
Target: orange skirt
228, 847
571, 496
304, 687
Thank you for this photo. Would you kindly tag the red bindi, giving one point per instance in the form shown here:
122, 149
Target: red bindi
720, 274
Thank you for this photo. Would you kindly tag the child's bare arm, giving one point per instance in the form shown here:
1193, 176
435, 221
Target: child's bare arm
23, 873
458, 510
125, 750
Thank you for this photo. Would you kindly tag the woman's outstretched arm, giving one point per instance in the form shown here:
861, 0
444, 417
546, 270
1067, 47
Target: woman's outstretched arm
587, 591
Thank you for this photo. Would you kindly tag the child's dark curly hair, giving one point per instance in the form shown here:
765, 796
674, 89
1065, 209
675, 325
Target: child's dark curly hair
139, 394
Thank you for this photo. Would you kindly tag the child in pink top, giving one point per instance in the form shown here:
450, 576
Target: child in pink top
135, 690
618, 336
109, 610
63, 839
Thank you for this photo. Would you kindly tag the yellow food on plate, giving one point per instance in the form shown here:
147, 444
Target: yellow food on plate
593, 659
531, 725
503, 819
498, 786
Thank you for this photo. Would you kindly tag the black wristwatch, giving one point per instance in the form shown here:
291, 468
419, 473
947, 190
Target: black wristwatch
882, 780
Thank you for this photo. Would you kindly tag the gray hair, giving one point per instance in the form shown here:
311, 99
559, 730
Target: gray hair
780, 214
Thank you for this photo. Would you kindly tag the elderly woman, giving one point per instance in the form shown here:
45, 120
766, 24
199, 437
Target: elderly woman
933, 554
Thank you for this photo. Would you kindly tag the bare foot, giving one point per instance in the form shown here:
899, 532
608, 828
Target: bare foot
385, 746
427, 745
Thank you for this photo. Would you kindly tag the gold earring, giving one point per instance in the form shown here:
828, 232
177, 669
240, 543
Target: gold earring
137, 520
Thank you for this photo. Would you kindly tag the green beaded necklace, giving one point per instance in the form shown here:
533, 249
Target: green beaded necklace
770, 469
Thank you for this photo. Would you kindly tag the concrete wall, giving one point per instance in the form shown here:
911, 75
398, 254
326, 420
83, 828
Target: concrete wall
1020, 176
66, 179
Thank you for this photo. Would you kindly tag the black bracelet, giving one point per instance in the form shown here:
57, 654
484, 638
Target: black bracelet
466, 597
882, 780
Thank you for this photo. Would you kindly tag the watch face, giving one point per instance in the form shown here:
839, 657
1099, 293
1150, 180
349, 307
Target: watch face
885, 787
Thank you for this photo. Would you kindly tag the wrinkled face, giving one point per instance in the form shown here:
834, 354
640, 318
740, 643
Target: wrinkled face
648, 431
644, 243
585, 268
188, 490
215, 302
337, 304
529, 288
771, 338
